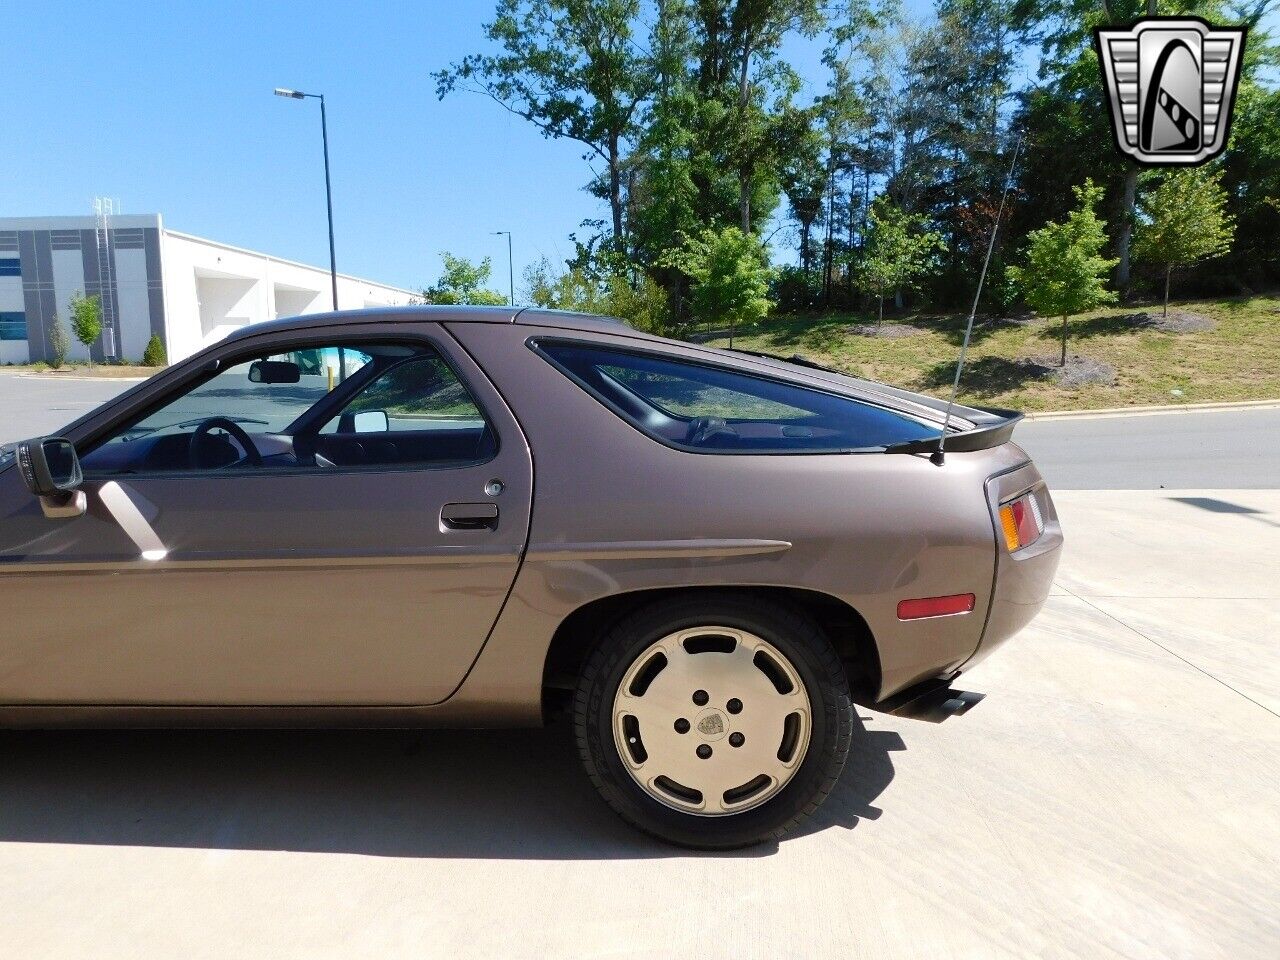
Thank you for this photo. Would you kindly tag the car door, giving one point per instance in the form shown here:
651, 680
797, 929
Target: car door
368, 579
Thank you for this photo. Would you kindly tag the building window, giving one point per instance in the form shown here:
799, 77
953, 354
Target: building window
10, 267
13, 326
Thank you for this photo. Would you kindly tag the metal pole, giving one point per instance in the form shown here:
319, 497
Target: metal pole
328, 199
511, 276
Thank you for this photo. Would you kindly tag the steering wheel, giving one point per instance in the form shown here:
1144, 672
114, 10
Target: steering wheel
702, 429
238, 434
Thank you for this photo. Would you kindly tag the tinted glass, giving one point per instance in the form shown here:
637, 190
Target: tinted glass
422, 393
380, 405
712, 408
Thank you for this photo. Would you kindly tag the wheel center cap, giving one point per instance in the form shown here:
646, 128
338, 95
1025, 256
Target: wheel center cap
712, 724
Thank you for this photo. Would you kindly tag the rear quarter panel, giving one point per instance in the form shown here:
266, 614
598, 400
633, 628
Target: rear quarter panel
610, 504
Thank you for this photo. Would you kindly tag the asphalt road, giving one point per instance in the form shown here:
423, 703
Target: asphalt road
32, 406
1222, 449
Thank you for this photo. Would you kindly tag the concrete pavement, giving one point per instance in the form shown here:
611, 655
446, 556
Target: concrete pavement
1114, 796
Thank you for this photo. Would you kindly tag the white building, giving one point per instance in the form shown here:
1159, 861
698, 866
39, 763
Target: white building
151, 280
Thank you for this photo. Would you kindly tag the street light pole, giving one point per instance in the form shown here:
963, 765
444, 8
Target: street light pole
511, 270
328, 189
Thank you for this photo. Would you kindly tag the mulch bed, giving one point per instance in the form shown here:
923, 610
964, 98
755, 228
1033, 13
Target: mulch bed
886, 331
1078, 372
1178, 321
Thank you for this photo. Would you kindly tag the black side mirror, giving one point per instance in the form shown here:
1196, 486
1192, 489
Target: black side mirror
50, 467
274, 371
364, 421
51, 470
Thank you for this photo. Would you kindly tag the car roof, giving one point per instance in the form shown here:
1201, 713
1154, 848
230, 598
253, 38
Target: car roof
417, 313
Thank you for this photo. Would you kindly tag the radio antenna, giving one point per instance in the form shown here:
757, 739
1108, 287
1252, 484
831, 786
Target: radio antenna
939, 455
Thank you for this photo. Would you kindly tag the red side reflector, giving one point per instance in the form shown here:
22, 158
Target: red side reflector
935, 606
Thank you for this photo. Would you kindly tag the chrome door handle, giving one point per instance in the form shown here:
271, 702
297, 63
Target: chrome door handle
469, 516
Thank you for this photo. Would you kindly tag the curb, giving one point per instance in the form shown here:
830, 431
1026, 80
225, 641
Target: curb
59, 378
1155, 410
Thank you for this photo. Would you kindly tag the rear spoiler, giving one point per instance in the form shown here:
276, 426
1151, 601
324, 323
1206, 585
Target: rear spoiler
990, 430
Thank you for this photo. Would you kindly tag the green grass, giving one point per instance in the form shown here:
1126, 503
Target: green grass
1238, 360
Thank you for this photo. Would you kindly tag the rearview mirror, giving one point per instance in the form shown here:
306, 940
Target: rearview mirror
274, 371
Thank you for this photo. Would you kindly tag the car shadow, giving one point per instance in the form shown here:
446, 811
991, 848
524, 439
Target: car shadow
475, 794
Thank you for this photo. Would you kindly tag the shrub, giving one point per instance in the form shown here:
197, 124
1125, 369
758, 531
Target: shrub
154, 355
59, 343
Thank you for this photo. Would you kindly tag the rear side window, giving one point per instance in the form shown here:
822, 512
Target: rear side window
708, 408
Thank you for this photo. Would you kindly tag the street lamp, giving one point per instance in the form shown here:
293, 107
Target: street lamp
511, 270
328, 192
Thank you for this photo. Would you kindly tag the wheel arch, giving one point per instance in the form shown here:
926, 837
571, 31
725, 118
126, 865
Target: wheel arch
843, 626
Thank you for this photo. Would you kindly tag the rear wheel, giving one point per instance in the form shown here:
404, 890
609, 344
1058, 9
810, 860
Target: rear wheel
714, 722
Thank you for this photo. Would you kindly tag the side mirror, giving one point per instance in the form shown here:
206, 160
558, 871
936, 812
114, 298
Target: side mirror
364, 421
274, 371
51, 470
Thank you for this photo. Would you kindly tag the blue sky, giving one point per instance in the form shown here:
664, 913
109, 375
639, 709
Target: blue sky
167, 106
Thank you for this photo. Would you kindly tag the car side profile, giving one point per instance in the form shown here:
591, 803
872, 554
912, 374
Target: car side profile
463, 517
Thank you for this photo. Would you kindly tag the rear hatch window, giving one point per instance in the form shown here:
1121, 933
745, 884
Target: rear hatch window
708, 408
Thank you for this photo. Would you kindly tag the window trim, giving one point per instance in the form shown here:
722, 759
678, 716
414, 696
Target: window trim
535, 344
205, 372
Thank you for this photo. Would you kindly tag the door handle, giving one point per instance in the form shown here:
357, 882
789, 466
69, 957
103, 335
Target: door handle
469, 516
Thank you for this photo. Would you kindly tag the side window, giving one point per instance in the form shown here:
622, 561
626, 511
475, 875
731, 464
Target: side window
421, 393
705, 407
315, 408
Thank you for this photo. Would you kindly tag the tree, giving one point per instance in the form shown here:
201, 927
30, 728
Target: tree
898, 250
730, 276
154, 355
462, 281
86, 319
1065, 271
572, 68
59, 343
643, 306
1183, 221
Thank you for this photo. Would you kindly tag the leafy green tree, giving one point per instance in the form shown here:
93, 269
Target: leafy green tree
1183, 221
573, 69
154, 355
642, 305
86, 319
1065, 273
899, 250
730, 276
462, 281
59, 343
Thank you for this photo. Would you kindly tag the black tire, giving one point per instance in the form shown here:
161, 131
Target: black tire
788, 629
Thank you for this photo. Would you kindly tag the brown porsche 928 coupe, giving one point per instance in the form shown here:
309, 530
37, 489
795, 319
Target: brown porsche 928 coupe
479, 517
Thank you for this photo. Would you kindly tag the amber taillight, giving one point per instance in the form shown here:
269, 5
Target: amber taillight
1021, 522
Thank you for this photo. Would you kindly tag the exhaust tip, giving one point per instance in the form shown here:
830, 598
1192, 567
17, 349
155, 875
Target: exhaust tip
939, 704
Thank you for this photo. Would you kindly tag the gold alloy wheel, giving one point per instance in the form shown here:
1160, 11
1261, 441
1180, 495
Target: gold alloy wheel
712, 721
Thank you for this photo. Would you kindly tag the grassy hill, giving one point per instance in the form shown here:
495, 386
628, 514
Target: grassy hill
1211, 350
